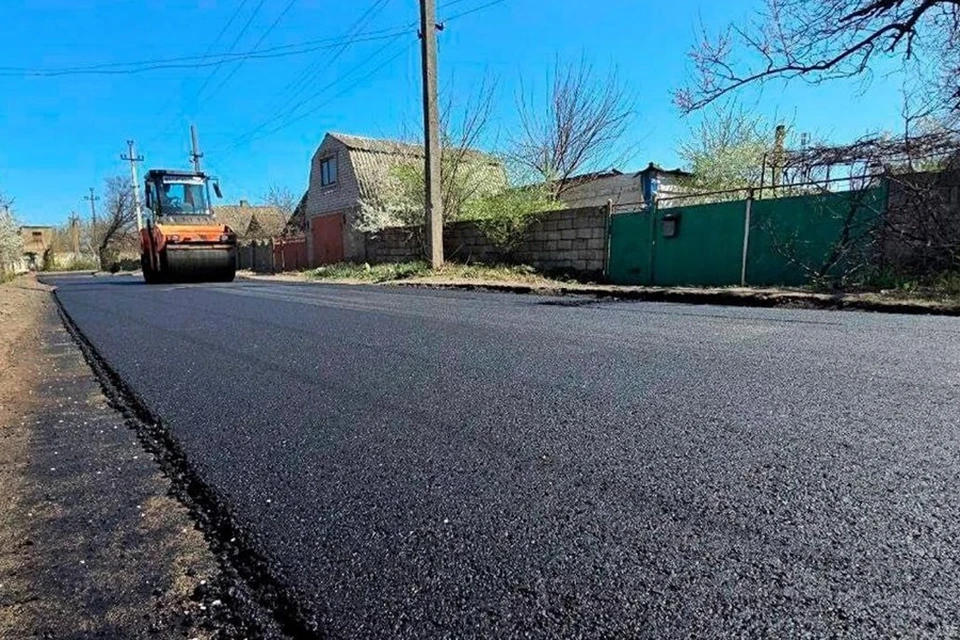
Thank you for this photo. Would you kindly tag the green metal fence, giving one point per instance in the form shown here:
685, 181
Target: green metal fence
780, 241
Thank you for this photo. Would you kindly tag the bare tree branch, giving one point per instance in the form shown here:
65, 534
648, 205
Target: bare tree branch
823, 40
582, 122
117, 223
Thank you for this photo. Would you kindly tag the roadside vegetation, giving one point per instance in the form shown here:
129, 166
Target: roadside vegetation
11, 245
394, 272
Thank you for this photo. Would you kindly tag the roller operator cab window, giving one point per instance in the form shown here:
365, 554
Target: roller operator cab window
172, 197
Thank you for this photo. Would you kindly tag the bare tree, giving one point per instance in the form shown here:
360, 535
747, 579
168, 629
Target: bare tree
283, 200
827, 39
576, 129
117, 224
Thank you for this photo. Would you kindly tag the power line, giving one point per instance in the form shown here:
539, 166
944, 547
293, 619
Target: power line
273, 52
263, 37
469, 11
243, 30
206, 54
250, 137
312, 71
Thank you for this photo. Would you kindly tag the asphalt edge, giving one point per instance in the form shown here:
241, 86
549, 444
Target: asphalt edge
680, 295
778, 299
258, 604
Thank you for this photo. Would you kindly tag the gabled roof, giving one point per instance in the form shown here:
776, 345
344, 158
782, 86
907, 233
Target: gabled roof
376, 145
590, 177
679, 173
374, 160
252, 222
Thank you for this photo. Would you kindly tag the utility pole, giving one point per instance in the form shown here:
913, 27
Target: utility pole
433, 205
134, 159
195, 153
93, 208
75, 232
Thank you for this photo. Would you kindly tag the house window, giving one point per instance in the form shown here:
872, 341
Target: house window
328, 171
38, 235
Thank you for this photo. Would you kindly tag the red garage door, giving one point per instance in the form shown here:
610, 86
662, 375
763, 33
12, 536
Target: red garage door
327, 239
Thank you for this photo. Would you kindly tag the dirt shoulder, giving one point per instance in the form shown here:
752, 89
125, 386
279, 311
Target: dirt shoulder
730, 296
92, 545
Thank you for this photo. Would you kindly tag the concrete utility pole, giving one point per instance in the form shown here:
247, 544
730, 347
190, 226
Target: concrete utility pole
431, 132
195, 153
75, 232
93, 208
134, 159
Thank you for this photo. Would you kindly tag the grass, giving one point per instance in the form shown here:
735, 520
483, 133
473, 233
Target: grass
393, 272
939, 287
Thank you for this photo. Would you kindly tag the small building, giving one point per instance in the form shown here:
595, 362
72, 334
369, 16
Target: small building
625, 190
348, 172
37, 242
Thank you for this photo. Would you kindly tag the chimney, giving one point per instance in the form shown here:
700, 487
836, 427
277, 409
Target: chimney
244, 203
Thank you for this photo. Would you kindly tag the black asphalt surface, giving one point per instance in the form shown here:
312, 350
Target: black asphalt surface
447, 464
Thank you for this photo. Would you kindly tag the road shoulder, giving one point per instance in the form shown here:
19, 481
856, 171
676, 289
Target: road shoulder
93, 543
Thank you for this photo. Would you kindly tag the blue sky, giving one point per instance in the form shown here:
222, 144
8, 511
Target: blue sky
61, 135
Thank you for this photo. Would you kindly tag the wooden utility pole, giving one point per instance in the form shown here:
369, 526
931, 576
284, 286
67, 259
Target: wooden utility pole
433, 204
133, 158
195, 153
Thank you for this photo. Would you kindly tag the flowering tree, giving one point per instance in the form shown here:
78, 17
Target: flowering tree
11, 244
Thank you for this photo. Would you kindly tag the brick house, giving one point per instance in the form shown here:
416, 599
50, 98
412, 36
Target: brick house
347, 171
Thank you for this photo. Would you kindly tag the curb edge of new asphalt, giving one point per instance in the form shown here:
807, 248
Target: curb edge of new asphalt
717, 297
260, 604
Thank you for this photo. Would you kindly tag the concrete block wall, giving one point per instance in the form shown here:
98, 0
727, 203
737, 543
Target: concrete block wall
922, 223
398, 244
568, 240
571, 240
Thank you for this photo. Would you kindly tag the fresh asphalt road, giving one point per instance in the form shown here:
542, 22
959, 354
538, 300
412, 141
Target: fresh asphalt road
430, 463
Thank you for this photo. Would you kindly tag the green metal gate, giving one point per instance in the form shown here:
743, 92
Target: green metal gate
787, 240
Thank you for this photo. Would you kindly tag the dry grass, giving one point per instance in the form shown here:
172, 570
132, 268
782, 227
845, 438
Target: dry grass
421, 272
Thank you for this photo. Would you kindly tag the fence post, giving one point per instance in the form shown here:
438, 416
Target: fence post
606, 239
654, 208
746, 237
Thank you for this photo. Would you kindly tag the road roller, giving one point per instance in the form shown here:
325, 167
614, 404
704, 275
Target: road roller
180, 240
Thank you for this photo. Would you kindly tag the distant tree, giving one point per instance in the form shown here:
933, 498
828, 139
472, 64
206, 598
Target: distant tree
725, 149
117, 224
282, 199
828, 39
574, 127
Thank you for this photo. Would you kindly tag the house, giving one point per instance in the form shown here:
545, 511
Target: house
625, 190
350, 172
252, 222
37, 241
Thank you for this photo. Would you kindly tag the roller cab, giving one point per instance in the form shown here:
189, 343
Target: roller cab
181, 241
